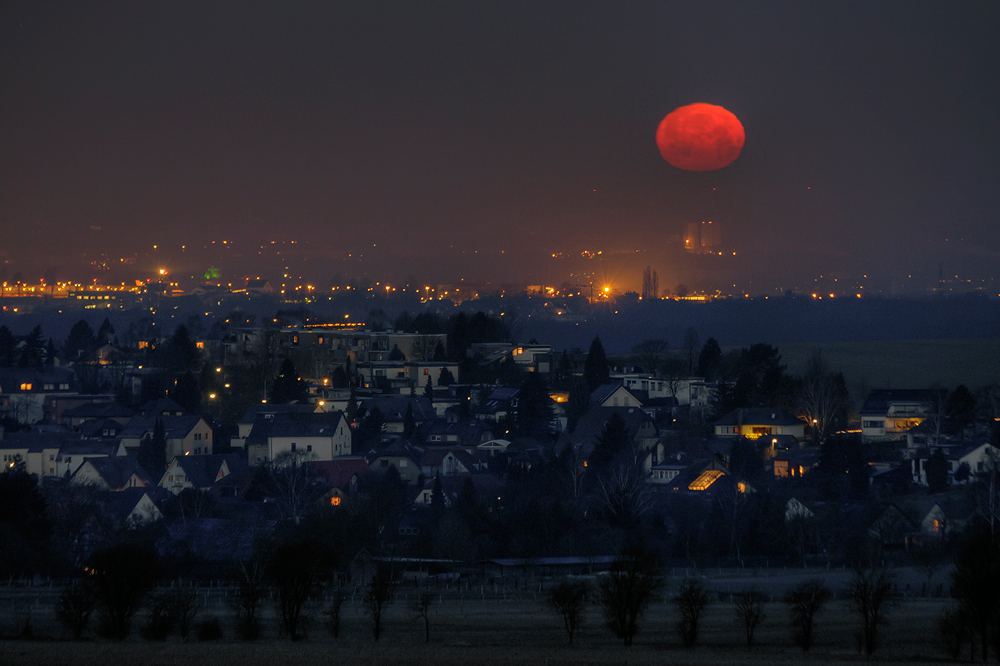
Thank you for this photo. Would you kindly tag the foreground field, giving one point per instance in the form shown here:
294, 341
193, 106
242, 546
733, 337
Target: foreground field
520, 630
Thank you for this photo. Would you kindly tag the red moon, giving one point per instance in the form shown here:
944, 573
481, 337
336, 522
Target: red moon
700, 137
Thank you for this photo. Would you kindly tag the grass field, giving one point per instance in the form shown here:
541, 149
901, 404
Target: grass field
521, 629
905, 363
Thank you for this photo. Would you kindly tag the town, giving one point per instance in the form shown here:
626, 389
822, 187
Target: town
430, 447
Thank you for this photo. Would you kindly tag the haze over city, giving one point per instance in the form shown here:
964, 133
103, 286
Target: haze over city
435, 142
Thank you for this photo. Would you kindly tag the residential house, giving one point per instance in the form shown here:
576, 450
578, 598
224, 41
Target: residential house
89, 411
38, 451
73, 453
404, 456
315, 436
185, 435
757, 423
132, 507
199, 472
245, 423
888, 414
113, 473
393, 409
447, 462
27, 395
613, 395
592, 424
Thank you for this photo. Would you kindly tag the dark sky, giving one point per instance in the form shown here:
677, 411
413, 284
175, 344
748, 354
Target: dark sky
414, 132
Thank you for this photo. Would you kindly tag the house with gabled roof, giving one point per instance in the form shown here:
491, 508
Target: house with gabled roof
245, 424
447, 462
185, 435
401, 454
393, 409
318, 436
613, 395
453, 430
101, 428
38, 451
199, 472
592, 424
73, 453
76, 416
113, 473
131, 508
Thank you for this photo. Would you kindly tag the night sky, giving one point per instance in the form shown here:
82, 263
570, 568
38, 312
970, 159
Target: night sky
435, 141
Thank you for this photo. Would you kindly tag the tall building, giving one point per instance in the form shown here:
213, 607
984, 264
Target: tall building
702, 238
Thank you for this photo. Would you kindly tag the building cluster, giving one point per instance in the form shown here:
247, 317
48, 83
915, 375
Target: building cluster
444, 436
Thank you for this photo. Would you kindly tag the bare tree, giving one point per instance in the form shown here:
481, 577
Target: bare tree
251, 588
627, 591
377, 596
569, 599
691, 600
293, 483
976, 584
623, 492
822, 399
75, 606
750, 611
804, 602
422, 605
869, 592
650, 354
294, 571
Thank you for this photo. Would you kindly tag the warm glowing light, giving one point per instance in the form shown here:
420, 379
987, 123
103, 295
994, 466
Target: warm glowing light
705, 479
334, 501
700, 137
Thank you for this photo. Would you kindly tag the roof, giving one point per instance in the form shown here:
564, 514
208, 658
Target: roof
605, 391
273, 408
161, 407
175, 427
293, 424
879, 400
116, 470
759, 416
340, 471
203, 471
98, 427
591, 425
98, 410
393, 407
120, 505
38, 441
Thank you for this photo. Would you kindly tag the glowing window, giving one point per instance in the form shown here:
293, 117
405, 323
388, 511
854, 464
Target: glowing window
334, 501
25, 387
705, 479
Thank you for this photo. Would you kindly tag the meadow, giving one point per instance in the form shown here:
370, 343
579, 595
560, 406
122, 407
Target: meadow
513, 628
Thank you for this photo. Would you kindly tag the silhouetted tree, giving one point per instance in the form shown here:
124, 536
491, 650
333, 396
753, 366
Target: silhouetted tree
975, 583
294, 571
578, 402
709, 360
122, 576
650, 354
960, 411
936, 469
25, 526
595, 368
804, 602
80, 340
75, 606
422, 605
750, 611
869, 592
569, 599
377, 596
187, 393
180, 353
691, 599
288, 386
627, 590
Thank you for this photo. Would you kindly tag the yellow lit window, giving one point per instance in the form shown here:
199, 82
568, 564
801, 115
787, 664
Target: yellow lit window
335, 501
25, 387
705, 479
199, 345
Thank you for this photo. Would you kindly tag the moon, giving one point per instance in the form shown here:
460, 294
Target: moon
700, 137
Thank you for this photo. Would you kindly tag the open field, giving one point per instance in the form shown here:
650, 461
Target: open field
905, 363
514, 628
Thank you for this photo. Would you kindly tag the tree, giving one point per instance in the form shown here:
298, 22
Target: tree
960, 411
869, 592
445, 378
627, 591
75, 606
429, 389
396, 354
251, 589
533, 413
180, 353
650, 354
32, 353
8, 348
377, 595
578, 402
422, 605
152, 455
294, 569
569, 599
288, 386
822, 397
690, 345
750, 611
975, 583
709, 360
623, 491
691, 600
293, 482
409, 421
650, 284
25, 527
936, 469
122, 576
187, 393
595, 368
80, 341
804, 602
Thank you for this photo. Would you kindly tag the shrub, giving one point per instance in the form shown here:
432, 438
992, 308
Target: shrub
75, 606
209, 630
750, 611
627, 591
569, 599
121, 575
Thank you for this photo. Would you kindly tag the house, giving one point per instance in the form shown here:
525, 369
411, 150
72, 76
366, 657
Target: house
185, 435
795, 509
314, 436
343, 475
73, 453
115, 473
38, 451
245, 424
487, 487
75, 416
393, 409
756, 423
447, 462
793, 463
613, 395
401, 454
131, 508
453, 430
198, 472
888, 414
27, 395
592, 424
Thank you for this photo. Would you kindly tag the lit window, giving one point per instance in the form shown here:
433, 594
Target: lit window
425, 371
334, 501
27, 387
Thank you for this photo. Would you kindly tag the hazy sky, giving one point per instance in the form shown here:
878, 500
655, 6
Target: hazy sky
426, 129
